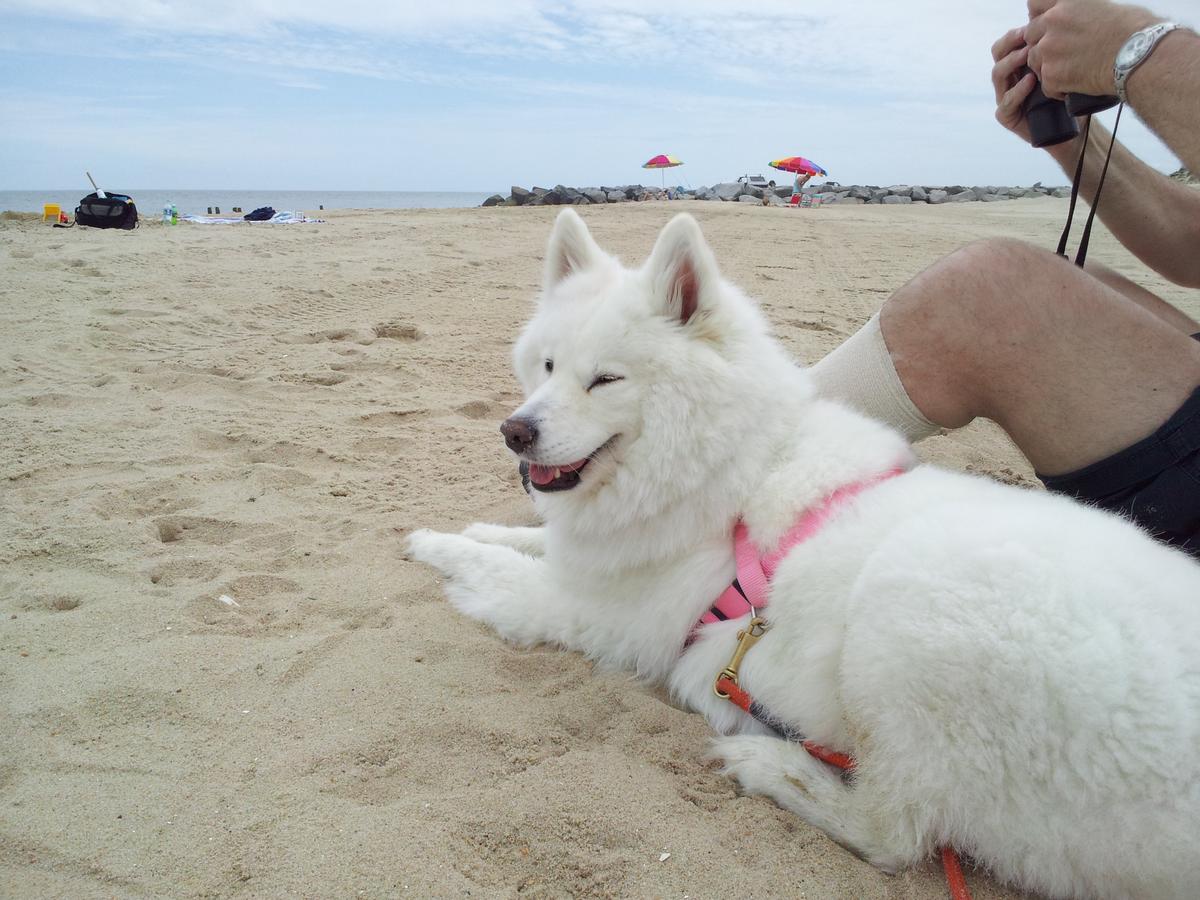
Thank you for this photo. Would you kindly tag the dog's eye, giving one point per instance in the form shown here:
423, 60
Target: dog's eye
549, 365
605, 379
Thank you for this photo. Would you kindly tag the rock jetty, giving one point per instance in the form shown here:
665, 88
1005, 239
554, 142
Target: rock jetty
741, 192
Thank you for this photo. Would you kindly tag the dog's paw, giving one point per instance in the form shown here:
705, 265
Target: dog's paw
433, 548
476, 574
487, 533
530, 541
752, 759
782, 770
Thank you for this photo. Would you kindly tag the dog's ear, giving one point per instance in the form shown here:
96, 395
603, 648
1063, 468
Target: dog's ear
683, 273
571, 249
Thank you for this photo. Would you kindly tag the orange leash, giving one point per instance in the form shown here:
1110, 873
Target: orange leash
728, 689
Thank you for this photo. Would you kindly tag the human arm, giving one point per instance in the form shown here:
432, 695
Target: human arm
1072, 46
1156, 218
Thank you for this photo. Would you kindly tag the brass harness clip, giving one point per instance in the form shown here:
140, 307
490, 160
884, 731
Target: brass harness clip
747, 638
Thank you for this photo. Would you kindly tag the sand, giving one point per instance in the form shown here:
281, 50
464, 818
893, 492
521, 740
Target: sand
262, 413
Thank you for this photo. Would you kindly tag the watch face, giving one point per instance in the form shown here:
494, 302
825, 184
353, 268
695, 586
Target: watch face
1133, 50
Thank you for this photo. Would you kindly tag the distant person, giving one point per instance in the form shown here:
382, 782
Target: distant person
1093, 377
798, 185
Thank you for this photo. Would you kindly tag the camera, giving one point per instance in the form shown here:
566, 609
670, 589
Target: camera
1053, 121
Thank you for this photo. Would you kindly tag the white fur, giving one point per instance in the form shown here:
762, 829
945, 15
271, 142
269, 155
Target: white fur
1016, 674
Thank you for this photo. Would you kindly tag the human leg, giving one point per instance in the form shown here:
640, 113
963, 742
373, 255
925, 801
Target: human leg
1142, 297
1072, 368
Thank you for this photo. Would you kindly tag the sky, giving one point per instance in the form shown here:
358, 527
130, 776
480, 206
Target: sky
479, 95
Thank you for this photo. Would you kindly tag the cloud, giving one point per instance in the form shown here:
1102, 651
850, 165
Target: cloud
565, 91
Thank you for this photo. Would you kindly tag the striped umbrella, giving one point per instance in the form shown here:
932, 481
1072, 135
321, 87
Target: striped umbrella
797, 164
662, 161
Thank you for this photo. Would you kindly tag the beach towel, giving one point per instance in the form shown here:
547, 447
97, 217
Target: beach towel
280, 218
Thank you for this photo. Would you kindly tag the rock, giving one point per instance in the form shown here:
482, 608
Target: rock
774, 199
784, 190
918, 194
858, 192
1016, 193
509, 201
595, 195
848, 199
893, 199
539, 191
952, 189
615, 196
877, 194
728, 190
992, 198
962, 196
937, 196
900, 190
520, 195
494, 200
1061, 192
749, 198
754, 191
568, 194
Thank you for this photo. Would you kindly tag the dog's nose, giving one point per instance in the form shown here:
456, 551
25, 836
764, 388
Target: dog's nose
519, 434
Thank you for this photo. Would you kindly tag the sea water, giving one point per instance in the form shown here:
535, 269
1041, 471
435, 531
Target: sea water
197, 202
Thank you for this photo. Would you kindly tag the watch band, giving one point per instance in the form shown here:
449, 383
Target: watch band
1152, 35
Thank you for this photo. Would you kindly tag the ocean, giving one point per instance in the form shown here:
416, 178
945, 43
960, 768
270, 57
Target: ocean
151, 202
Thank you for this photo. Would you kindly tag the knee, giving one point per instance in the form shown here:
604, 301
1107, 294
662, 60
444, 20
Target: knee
978, 290
941, 328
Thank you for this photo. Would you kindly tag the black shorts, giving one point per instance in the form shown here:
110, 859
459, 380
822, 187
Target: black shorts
1155, 482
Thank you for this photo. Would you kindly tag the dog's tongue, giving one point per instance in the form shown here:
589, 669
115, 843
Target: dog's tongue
546, 474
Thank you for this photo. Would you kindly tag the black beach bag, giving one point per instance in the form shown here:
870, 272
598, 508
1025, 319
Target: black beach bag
109, 211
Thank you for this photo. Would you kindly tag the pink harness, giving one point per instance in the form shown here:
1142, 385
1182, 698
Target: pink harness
748, 594
749, 589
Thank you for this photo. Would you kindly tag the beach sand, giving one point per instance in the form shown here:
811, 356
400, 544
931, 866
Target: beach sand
262, 413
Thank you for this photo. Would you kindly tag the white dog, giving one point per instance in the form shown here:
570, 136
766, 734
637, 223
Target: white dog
1017, 675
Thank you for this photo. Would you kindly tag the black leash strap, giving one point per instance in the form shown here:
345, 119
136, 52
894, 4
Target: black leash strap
1081, 253
1075, 182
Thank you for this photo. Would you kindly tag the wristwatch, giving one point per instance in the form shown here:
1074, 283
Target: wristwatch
1136, 51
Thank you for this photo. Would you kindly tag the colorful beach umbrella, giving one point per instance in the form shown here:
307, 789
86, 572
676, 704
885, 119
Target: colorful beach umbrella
662, 161
798, 165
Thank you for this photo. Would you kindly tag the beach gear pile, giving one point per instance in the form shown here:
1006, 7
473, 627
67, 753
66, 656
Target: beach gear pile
101, 209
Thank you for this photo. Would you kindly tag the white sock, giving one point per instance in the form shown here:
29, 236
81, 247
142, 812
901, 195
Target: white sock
860, 373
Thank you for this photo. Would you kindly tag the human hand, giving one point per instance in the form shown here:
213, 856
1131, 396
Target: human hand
1073, 43
1012, 82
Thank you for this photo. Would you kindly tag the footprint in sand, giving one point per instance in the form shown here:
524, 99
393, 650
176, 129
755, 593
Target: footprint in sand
326, 379
170, 529
483, 409
398, 331
184, 571
62, 603
391, 416
356, 335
